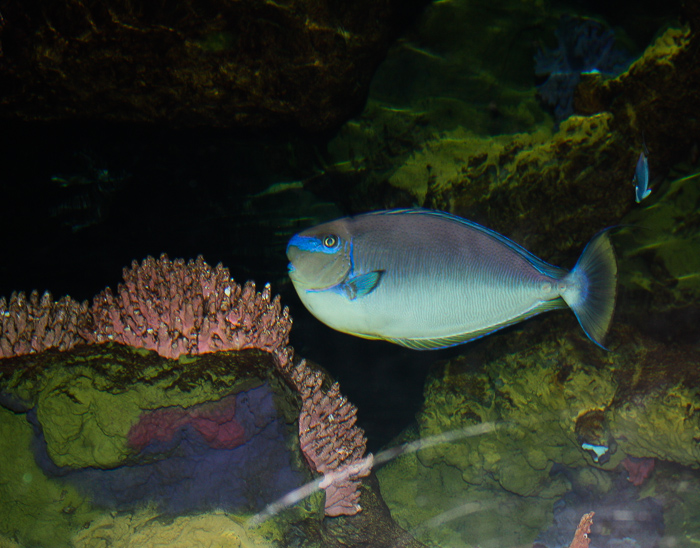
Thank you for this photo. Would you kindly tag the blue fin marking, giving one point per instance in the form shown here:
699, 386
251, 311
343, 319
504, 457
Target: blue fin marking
361, 285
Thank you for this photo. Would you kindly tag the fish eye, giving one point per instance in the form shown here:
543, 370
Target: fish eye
330, 241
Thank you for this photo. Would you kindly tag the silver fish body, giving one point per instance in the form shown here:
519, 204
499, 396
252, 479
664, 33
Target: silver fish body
641, 178
427, 279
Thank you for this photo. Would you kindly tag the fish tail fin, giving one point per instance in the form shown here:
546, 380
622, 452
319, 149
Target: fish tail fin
591, 287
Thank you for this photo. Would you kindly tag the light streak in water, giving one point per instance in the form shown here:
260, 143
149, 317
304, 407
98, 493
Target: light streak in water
382, 457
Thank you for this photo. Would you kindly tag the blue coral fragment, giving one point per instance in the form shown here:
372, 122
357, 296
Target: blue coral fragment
585, 45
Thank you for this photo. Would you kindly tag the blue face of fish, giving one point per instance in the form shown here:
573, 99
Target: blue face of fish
320, 258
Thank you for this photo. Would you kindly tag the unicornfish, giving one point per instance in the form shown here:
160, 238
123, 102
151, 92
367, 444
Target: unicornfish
426, 279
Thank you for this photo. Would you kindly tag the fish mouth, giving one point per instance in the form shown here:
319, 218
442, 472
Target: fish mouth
295, 276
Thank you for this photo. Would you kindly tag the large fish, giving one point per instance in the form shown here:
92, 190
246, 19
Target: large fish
427, 279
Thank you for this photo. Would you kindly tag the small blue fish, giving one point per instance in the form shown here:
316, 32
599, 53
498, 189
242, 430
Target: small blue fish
426, 279
641, 176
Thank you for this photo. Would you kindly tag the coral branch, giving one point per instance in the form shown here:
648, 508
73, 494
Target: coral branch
178, 308
33, 324
581, 538
331, 442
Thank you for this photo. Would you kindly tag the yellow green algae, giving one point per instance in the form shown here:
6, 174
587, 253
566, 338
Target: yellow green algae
448, 158
550, 189
644, 393
88, 399
145, 528
507, 182
32, 507
661, 239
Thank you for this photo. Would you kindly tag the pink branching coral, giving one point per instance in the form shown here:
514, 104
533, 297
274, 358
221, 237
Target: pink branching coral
331, 442
178, 308
34, 324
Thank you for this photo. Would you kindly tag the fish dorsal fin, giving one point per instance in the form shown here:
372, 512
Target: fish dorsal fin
453, 340
543, 267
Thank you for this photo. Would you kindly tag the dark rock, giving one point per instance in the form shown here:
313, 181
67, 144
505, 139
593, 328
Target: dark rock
215, 63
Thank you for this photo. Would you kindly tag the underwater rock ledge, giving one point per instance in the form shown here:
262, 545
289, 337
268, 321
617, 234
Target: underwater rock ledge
575, 431
185, 64
531, 186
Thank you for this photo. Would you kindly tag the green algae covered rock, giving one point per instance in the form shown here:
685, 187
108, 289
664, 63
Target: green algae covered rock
660, 247
87, 400
565, 416
32, 507
548, 189
68, 415
144, 529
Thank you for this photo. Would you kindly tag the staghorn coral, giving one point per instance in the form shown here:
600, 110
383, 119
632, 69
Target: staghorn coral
178, 308
331, 442
34, 324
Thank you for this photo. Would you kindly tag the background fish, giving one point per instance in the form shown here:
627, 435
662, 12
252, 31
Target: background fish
427, 279
641, 177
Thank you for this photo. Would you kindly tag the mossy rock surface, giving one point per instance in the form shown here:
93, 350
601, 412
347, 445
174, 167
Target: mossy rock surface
34, 508
549, 189
544, 397
88, 399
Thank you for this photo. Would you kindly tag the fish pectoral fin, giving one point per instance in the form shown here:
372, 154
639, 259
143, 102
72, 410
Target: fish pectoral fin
362, 285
